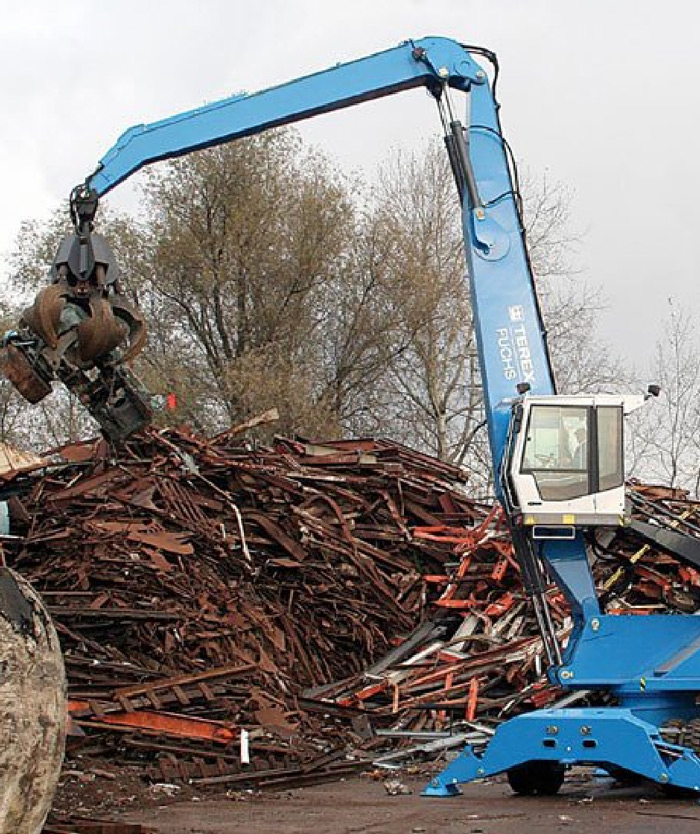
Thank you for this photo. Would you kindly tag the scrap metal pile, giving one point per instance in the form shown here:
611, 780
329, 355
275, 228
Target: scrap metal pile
453, 681
197, 586
277, 615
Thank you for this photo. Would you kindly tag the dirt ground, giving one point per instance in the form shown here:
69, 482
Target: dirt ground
362, 806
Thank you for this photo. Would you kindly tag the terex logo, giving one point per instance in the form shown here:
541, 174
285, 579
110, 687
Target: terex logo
525, 357
514, 350
505, 350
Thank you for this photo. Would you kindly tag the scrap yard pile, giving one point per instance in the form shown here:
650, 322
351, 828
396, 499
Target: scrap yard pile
276, 615
199, 587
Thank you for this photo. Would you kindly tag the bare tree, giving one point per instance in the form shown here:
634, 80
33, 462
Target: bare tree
242, 237
432, 390
571, 305
268, 279
433, 386
664, 442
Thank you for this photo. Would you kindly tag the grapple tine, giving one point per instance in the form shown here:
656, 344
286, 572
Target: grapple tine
44, 315
100, 332
136, 324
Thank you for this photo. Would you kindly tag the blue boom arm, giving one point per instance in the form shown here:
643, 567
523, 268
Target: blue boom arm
509, 326
513, 352
429, 62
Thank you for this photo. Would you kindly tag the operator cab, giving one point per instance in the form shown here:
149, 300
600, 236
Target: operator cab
564, 464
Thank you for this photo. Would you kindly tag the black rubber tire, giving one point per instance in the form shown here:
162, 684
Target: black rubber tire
539, 778
676, 792
625, 778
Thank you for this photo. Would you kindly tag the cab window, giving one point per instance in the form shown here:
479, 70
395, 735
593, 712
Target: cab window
556, 451
611, 472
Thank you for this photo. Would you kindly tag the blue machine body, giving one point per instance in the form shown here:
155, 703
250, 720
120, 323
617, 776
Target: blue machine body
612, 737
650, 663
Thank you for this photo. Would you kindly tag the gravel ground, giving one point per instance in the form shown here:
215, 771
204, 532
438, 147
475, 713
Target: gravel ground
362, 806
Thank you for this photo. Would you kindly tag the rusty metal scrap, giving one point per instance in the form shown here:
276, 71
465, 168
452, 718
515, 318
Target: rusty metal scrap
197, 586
287, 614
483, 661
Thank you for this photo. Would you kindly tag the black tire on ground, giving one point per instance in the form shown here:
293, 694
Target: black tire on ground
625, 778
539, 778
676, 792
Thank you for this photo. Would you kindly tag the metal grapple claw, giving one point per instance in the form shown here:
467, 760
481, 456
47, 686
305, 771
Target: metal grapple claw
100, 332
44, 316
81, 330
88, 302
136, 327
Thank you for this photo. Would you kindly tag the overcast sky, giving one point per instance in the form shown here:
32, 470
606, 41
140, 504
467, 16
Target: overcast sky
602, 95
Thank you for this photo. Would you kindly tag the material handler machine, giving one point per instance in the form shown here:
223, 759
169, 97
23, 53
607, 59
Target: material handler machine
557, 460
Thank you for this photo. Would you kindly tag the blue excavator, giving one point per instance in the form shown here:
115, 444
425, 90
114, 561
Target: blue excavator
558, 460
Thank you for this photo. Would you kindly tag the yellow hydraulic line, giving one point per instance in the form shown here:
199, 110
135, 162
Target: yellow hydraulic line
643, 550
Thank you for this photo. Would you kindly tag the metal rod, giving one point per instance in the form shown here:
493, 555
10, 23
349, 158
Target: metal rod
535, 588
457, 144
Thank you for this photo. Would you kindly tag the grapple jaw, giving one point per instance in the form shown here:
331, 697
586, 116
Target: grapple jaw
43, 318
89, 301
81, 330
